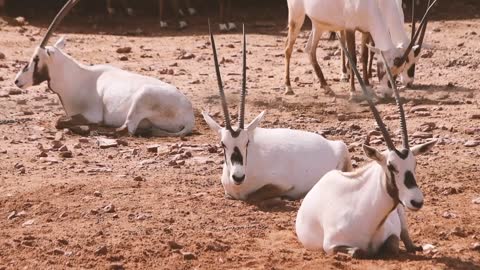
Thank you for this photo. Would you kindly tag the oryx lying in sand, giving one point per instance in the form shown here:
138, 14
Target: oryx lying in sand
361, 212
343, 15
263, 163
103, 94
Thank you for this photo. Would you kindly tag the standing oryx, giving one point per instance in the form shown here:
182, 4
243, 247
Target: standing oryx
361, 212
107, 95
343, 15
267, 163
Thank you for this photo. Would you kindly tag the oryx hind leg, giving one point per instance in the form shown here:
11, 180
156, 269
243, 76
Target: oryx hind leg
311, 50
390, 246
295, 22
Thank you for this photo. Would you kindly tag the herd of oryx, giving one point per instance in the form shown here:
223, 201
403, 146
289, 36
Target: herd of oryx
359, 212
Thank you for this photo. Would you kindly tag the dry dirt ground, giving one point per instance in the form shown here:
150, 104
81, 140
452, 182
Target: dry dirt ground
91, 210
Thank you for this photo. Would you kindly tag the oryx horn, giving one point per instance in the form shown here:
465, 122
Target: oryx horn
241, 114
375, 112
403, 121
57, 20
219, 79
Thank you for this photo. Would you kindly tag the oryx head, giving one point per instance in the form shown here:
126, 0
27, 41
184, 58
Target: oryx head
37, 70
402, 60
399, 166
234, 140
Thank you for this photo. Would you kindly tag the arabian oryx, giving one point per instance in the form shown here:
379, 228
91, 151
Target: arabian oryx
260, 163
362, 212
103, 94
399, 37
343, 15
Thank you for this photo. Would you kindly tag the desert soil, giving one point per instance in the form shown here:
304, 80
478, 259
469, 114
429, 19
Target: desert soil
131, 207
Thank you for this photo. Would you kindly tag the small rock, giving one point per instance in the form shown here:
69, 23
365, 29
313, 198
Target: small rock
422, 135
20, 20
123, 58
116, 266
189, 256
57, 144
58, 251
66, 154
418, 109
2, 56
42, 154
102, 250
475, 116
124, 50
110, 208
139, 178
12, 215
472, 143
152, 148
174, 245
97, 193
448, 215
28, 223
476, 200
21, 102
58, 136
63, 148
14, 91
457, 231
81, 130
476, 246
341, 117
63, 242
104, 143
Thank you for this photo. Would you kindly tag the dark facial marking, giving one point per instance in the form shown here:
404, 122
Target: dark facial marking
416, 52
235, 133
236, 156
389, 84
402, 154
392, 168
411, 71
410, 180
41, 75
398, 62
380, 71
392, 188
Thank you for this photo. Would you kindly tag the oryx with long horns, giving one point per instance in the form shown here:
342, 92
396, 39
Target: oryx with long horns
362, 212
343, 15
267, 163
103, 94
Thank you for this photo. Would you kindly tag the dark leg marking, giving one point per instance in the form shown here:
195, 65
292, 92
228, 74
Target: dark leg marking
391, 246
268, 191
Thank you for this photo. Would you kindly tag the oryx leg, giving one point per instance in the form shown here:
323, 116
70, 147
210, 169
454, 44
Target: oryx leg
161, 13
268, 191
364, 58
355, 252
390, 246
127, 7
350, 39
404, 235
179, 14
110, 8
295, 22
223, 23
311, 50
345, 75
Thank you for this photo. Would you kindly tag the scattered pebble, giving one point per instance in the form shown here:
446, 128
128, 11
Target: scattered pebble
189, 256
100, 251
105, 143
174, 245
472, 143
110, 208
124, 50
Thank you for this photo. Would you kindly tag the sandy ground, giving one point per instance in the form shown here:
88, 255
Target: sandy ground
90, 211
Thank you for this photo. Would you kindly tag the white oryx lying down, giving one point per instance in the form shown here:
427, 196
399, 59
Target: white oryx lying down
361, 212
103, 94
261, 164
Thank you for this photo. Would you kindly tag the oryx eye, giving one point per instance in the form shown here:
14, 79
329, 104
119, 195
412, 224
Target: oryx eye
392, 168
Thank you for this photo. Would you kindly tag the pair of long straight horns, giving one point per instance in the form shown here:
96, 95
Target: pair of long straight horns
376, 114
241, 113
57, 20
419, 32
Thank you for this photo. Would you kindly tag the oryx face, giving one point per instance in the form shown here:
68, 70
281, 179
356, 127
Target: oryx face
235, 149
235, 143
400, 168
37, 70
34, 72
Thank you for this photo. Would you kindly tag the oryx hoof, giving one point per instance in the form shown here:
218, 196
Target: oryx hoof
163, 24
345, 77
122, 131
414, 248
232, 26
192, 11
223, 27
328, 90
357, 253
111, 11
288, 91
182, 25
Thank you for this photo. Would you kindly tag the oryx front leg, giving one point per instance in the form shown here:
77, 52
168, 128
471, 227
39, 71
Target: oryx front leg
294, 25
404, 235
311, 50
355, 252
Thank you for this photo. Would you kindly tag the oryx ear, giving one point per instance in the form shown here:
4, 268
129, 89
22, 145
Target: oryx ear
373, 154
211, 123
60, 44
254, 124
373, 49
423, 148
